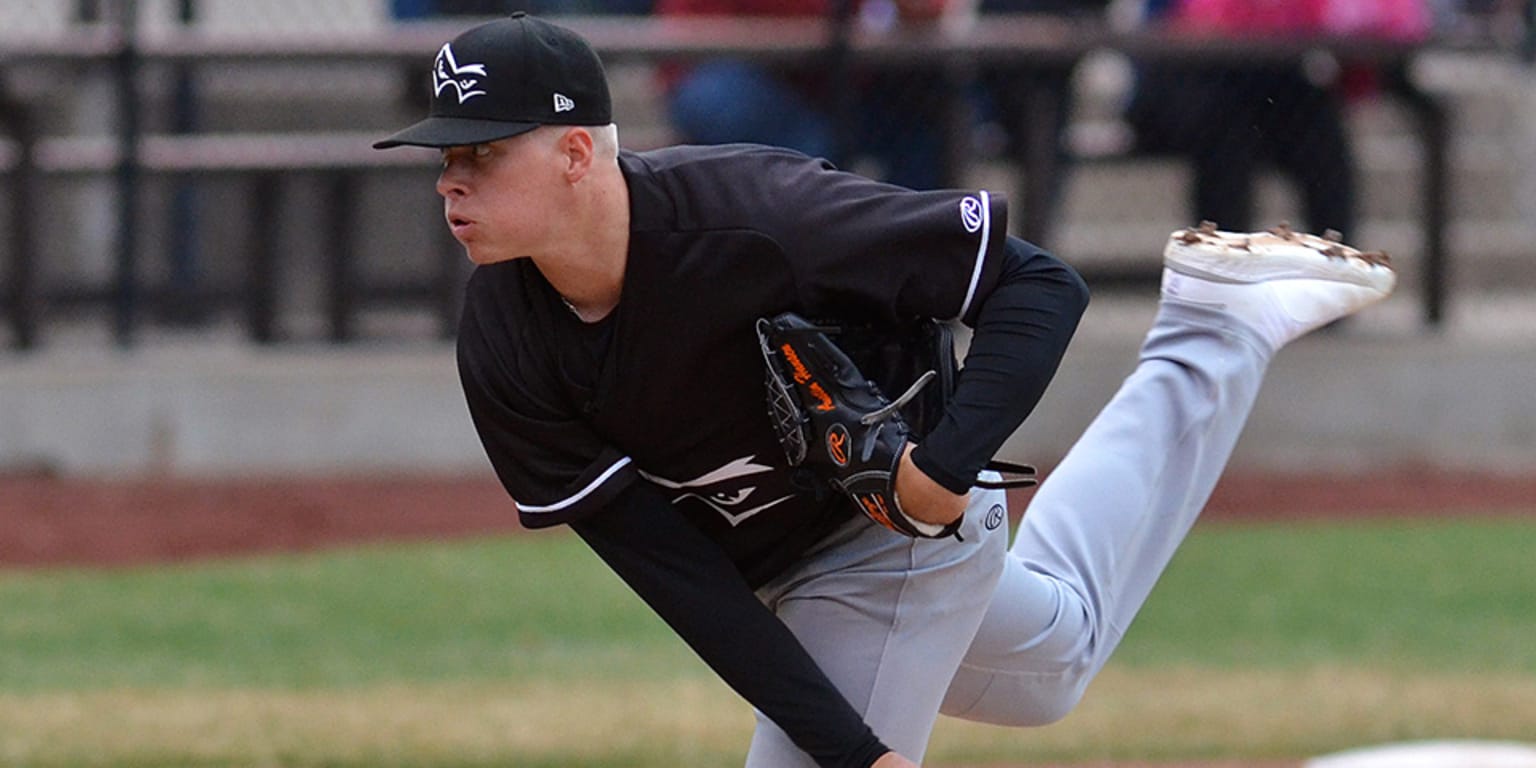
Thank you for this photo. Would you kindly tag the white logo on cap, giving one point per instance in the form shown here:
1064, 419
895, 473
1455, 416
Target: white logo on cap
446, 72
563, 103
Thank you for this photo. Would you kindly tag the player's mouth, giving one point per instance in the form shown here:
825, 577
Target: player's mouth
460, 226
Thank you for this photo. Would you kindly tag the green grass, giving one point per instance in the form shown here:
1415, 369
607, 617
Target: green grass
1261, 640
1405, 595
523, 606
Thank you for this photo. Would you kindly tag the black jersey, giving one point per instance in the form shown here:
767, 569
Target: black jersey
669, 387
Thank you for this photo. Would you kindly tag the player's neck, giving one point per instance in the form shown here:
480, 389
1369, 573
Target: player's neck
590, 275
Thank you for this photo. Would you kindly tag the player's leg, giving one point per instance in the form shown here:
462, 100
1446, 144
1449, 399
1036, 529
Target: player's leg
888, 618
1105, 523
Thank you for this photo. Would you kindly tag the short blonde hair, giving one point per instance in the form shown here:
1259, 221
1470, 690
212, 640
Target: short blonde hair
605, 140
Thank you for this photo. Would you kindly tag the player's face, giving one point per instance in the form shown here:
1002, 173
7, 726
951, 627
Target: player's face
497, 196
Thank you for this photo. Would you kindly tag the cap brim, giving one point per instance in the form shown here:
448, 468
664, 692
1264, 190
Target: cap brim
453, 132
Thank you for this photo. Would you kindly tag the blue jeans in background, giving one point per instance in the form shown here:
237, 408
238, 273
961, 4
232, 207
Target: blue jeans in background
726, 101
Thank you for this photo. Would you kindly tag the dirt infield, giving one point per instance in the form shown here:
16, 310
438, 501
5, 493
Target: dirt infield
47, 521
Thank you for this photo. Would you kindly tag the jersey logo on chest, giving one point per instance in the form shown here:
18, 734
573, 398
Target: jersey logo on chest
728, 490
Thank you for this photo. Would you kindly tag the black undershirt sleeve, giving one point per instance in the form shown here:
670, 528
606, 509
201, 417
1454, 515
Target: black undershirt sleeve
1022, 330
688, 581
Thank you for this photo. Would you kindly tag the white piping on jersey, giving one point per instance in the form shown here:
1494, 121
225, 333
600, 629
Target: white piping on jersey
579, 495
981, 252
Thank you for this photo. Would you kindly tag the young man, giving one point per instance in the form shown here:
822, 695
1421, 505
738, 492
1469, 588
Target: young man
610, 362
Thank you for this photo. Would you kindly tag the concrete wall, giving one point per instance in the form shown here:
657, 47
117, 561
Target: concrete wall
1377, 393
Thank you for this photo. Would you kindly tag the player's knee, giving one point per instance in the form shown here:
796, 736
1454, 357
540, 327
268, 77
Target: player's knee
1050, 705
1020, 701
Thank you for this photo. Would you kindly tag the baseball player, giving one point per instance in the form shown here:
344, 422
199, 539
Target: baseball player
611, 358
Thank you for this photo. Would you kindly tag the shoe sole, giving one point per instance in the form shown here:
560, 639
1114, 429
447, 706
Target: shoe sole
1279, 254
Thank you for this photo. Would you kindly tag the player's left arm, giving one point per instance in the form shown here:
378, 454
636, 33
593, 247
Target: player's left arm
1022, 328
874, 253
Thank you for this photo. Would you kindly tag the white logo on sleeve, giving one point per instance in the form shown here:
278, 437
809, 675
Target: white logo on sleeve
563, 103
972, 214
447, 73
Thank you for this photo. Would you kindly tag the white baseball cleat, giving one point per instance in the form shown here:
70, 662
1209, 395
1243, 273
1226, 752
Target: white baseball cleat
1281, 283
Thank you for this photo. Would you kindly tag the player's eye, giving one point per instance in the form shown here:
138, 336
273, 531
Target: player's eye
473, 152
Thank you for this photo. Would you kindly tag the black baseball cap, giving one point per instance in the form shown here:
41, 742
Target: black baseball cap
507, 77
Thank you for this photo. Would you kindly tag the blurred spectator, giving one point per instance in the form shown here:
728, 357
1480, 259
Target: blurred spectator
1230, 119
1008, 94
416, 9
895, 118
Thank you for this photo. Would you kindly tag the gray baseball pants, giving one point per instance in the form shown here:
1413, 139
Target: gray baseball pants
1012, 635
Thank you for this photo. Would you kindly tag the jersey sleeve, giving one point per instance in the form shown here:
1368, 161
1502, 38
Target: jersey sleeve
866, 249
1022, 333
549, 460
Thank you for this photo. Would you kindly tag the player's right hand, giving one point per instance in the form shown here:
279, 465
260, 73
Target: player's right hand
922, 498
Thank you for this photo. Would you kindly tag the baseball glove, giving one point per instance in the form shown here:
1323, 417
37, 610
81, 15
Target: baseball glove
833, 420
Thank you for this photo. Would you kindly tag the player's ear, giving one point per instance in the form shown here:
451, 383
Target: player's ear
576, 147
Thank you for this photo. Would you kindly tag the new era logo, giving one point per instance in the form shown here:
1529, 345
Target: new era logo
563, 103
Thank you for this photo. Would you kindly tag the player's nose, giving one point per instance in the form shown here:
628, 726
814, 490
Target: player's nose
451, 183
